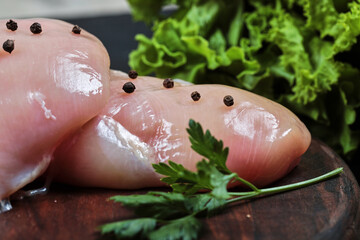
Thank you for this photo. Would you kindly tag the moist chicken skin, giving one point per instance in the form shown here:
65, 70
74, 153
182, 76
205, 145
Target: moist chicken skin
117, 147
52, 83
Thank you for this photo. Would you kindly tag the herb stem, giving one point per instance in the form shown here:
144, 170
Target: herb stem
289, 187
250, 185
251, 195
302, 183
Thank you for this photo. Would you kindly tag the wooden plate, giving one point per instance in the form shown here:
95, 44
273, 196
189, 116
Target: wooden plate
327, 210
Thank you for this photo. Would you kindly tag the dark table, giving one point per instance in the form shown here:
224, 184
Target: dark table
329, 210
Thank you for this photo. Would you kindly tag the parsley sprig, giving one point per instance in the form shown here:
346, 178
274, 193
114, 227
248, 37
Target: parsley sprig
176, 215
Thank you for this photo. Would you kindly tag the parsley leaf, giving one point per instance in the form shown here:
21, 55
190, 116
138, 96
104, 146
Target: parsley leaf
130, 228
186, 228
208, 146
207, 177
176, 214
159, 205
204, 204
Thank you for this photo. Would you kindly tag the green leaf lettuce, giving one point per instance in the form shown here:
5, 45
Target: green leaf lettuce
302, 54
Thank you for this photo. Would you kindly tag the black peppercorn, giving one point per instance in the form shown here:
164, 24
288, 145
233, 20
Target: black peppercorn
228, 100
132, 74
129, 87
195, 96
76, 29
11, 25
35, 28
168, 83
8, 45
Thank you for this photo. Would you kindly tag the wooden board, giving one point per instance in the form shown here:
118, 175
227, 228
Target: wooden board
328, 210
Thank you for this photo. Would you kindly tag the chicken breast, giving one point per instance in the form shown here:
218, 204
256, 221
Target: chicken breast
53, 82
117, 147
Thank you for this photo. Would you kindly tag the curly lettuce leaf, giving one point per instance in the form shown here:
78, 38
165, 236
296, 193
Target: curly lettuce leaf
286, 50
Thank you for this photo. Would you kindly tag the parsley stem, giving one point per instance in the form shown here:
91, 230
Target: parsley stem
250, 195
246, 195
242, 193
303, 183
249, 184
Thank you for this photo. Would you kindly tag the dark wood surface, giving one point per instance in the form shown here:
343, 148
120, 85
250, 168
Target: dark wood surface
327, 210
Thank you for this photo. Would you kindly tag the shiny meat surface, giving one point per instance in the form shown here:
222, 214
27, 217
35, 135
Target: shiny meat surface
116, 148
52, 83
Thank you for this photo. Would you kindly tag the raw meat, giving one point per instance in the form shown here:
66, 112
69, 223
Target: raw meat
116, 148
53, 82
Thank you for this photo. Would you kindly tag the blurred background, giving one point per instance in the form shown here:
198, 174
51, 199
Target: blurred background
109, 20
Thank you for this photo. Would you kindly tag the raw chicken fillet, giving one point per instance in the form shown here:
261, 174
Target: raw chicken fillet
52, 83
117, 148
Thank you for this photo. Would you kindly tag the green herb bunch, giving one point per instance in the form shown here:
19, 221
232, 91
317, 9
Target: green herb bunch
302, 54
177, 214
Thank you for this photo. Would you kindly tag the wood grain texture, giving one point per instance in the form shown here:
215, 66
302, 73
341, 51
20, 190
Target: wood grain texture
328, 210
